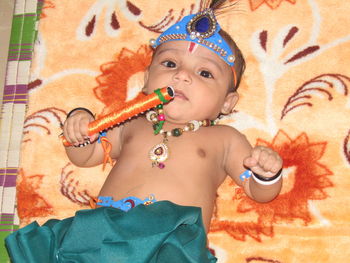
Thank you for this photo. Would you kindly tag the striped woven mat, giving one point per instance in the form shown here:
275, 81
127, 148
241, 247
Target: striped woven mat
15, 100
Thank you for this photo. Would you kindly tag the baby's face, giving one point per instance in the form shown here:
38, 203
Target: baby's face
200, 79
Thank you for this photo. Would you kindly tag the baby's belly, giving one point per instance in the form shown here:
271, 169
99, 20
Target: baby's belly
159, 187
141, 187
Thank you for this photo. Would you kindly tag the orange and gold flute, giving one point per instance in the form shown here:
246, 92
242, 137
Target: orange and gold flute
129, 110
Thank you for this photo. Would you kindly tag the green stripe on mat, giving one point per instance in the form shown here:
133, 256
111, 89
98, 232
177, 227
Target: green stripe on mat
3, 252
22, 44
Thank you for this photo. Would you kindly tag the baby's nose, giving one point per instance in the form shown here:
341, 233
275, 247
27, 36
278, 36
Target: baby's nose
183, 75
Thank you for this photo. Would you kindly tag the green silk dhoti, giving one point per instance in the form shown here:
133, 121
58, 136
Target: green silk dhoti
158, 233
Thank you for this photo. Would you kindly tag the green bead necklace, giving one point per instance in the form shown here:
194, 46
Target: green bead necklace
160, 152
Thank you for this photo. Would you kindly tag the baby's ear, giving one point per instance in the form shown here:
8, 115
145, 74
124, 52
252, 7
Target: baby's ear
229, 103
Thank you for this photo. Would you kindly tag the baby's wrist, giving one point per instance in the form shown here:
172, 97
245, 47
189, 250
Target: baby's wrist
262, 180
267, 180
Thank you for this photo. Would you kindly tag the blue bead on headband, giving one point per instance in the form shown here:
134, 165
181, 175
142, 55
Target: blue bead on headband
201, 28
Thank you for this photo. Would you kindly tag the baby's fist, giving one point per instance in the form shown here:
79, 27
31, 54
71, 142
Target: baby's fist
263, 161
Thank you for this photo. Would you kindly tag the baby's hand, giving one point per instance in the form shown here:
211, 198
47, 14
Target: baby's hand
263, 161
75, 128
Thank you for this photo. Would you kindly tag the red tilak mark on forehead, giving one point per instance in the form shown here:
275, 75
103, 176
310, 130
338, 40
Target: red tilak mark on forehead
191, 47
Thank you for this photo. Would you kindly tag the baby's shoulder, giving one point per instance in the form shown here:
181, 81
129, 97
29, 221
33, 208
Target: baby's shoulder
235, 143
231, 137
229, 132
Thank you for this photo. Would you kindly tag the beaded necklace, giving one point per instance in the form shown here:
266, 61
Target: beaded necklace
160, 152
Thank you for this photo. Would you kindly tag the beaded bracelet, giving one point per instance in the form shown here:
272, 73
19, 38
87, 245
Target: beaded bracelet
83, 144
101, 134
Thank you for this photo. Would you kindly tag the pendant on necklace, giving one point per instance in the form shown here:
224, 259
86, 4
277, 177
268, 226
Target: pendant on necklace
159, 154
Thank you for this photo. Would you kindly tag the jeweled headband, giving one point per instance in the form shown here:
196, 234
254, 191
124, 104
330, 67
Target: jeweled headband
201, 28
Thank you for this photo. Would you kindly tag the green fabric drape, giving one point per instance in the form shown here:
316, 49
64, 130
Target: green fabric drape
159, 233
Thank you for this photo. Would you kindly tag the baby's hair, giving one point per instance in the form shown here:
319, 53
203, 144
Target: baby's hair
222, 6
239, 59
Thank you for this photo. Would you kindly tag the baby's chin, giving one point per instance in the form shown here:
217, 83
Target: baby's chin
184, 109
177, 104
177, 111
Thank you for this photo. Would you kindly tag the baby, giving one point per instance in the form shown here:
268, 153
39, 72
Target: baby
178, 154
199, 158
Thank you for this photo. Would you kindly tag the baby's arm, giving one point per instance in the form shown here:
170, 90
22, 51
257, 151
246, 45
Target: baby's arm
75, 130
262, 161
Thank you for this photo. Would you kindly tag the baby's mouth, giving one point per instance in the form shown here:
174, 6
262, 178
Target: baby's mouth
180, 95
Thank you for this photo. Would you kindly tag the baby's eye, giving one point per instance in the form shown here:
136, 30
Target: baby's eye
205, 74
169, 64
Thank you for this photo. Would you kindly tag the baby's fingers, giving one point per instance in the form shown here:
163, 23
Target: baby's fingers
84, 131
277, 164
268, 162
250, 162
253, 160
84, 128
75, 130
93, 137
68, 131
264, 159
80, 130
272, 166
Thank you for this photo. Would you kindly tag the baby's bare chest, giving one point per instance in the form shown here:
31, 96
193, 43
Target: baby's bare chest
191, 148
189, 175
190, 157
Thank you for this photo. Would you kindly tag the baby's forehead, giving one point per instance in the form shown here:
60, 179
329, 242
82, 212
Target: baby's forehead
182, 47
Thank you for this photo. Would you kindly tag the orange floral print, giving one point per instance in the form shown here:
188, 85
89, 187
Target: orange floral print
30, 202
46, 5
113, 82
305, 178
273, 4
